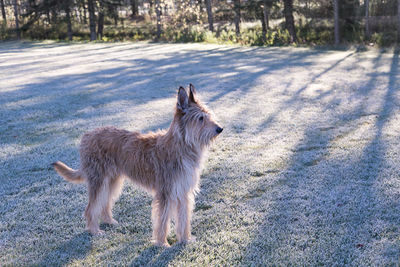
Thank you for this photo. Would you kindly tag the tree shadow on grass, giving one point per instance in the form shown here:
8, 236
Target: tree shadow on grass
75, 248
294, 102
329, 210
156, 256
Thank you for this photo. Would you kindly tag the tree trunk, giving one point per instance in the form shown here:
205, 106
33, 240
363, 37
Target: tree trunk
3, 12
398, 21
264, 29
16, 20
210, 15
336, 21
54, 15
47, 11
265, 20
237, 16
100, 22
48, 16
68, 17
92, 20
84, 13
135, 7
367, 33
115, 15
263, 26
289, 20
151, 9
158, 14
266, 14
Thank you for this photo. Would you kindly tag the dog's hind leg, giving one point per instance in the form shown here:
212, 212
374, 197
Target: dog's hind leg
184, 214
161, 214
98, 197
115, 188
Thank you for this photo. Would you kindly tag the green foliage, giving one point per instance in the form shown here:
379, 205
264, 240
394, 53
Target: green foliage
193, 34
227, 36
320, 33
250, 36
59, 32
383, 38
278, 37
112, 33
317, 35
41, 32
187, 20
253, 36
4, 32
210, 37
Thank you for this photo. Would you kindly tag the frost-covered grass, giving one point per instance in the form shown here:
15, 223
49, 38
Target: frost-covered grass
306, 172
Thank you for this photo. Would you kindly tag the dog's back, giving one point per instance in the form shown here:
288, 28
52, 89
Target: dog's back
110, 152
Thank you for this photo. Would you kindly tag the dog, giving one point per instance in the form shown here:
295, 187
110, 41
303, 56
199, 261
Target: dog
166, 163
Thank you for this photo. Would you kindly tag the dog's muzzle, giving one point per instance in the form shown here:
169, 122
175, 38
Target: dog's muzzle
219, 130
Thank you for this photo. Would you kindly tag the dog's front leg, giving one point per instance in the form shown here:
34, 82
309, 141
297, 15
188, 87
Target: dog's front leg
161, 212
184, 214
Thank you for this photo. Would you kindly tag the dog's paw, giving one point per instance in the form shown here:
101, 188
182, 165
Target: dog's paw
110, 221
100, 232
96, 232
114, 222
162, 244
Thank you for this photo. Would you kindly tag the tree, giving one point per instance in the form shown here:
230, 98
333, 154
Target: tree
398, 21
367, 33
289, 20
237, 16
16, 19
3, 12
183, 17
158, 14
92, 20
151, 9
100, 22
336, 21
54, 13
210, 15
135, 7
68, 18
84, 11
264, 22
266, 5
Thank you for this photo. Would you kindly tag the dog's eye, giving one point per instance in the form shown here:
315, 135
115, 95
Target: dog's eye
201, 118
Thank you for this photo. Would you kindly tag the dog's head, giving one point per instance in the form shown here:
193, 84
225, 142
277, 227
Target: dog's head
196, 122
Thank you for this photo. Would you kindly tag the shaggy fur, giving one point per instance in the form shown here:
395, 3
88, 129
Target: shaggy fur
165, 163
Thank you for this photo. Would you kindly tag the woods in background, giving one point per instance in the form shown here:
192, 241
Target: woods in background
250, 22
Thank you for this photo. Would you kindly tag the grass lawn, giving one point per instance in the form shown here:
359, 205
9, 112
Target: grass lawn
306, 172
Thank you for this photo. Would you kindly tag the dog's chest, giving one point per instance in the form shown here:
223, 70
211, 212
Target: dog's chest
188, 177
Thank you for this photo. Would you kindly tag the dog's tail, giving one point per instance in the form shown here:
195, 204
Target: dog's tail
71, 175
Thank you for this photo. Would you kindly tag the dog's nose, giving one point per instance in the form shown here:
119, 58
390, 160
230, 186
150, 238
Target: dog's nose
219, 130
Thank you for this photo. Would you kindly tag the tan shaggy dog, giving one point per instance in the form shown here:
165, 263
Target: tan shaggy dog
165, 163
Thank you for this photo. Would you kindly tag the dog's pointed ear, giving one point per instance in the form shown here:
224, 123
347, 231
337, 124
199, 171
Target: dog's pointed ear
183, 100
192, 93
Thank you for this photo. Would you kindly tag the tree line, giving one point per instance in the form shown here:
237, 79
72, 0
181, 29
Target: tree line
294, 21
